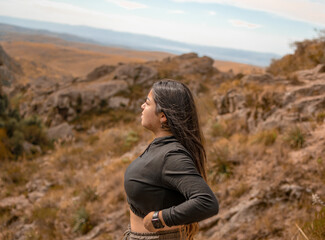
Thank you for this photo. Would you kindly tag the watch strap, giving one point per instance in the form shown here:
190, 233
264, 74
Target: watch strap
156, 220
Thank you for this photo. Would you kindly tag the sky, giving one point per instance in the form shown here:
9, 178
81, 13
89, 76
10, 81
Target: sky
255, 25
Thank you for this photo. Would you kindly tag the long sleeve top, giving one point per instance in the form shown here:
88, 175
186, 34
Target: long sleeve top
164, 177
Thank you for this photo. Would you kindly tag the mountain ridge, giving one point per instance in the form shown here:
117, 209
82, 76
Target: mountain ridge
143, 42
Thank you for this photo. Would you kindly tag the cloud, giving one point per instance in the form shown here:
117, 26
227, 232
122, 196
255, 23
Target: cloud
130, 5
240, 23
212, 13
301, 10
176, 11
65, 13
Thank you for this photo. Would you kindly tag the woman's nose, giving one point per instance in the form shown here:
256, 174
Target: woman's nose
142, 106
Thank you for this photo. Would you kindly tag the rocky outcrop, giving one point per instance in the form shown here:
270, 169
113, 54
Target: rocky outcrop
266, 78
269, 109
110, 87
189, 63
192, 64
230, 102
314, 74
100, 72
62, 131
65, 104
135, 74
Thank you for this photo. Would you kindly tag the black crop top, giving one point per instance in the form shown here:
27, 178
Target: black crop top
164, 177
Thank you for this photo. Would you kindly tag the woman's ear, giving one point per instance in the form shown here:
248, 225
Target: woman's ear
163, 117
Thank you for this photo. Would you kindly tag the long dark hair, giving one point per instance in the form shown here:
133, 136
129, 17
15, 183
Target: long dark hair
176, 101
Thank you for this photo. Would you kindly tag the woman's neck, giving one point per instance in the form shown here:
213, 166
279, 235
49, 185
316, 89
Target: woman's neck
163, 134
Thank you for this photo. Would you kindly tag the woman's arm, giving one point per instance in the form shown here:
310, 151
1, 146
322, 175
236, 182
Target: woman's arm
179, 173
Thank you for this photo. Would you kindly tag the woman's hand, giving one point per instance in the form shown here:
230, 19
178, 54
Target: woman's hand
148, 224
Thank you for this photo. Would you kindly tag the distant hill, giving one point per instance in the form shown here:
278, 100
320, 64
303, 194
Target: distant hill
137, 41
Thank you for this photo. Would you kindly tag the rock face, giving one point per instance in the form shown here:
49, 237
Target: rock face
317, 73
65, 104
8, 68
268, 109
100, 72
190, 64
110, 87
135, 73
63, 130
187, 64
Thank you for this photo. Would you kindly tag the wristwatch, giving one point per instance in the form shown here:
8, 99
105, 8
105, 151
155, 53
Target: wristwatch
156, 221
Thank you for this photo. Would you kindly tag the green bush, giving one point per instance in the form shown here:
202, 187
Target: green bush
81, 221
221, 167
295, 137
18, 130
89, 194
16, 143
3, 103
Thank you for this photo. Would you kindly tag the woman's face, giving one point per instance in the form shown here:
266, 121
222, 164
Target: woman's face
149, 118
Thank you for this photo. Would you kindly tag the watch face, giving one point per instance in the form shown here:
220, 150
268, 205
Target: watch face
156, 223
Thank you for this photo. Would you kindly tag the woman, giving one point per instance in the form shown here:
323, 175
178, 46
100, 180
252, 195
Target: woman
166, 185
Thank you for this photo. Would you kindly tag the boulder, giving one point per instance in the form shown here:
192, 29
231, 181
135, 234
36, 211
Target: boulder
63, 130
31, 148
230, 102
100, 72
135, 74
195, 64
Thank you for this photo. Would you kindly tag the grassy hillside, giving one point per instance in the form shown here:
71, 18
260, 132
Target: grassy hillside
265, 150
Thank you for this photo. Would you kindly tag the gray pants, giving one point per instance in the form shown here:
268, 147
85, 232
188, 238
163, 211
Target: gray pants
165, 235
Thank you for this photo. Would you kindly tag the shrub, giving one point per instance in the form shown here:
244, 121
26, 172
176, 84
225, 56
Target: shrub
5, 215
4, 151
218, 130
308, 54
320, 117
16, 143
89, 194
35, 135
295, 137
131, 139
267, 137
15, 130
228, 127
44, 217
240, 190
315, 229
13, 174
3, 103
81, 221
221, 167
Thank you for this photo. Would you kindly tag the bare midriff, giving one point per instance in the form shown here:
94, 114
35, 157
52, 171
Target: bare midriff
136, 223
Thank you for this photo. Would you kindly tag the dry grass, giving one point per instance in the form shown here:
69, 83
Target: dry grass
226, 66
63, 60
